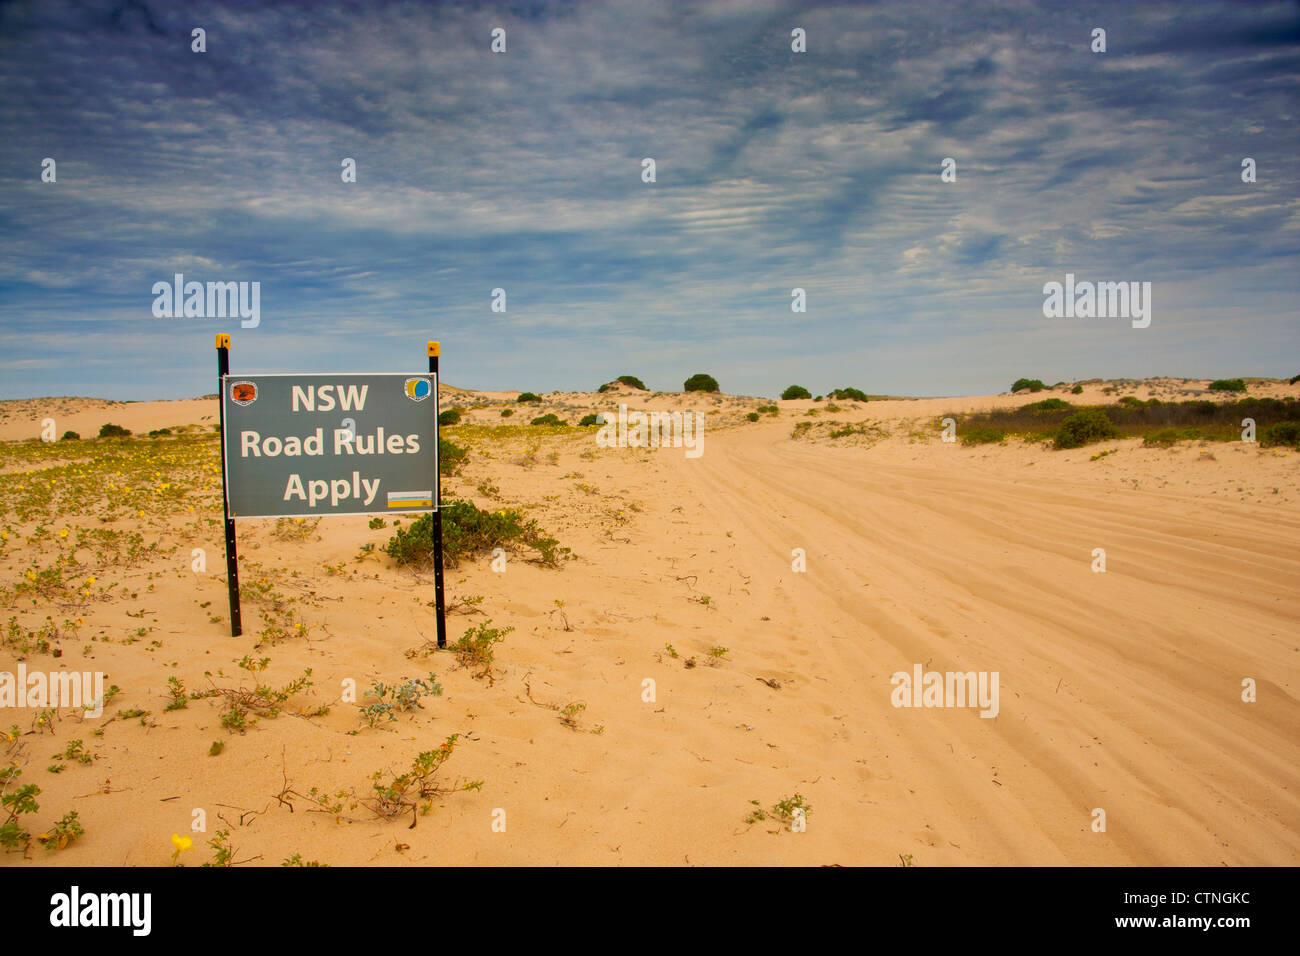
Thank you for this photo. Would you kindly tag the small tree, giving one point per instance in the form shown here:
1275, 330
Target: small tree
701, 382
795, 391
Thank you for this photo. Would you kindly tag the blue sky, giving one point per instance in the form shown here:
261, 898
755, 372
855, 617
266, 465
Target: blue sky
522, 171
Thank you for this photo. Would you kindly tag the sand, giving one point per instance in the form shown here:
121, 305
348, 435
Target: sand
1119, 691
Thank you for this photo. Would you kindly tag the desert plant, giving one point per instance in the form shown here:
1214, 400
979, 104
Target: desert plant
853, 394
450, 457
507, 412
1282, 433
1033, 384
1077, 390
475, 648
114, 431
70, 436
450, 417
550, 418
1228, 385
793, 392
529, 397
469, 531
700, 382
391, 700
982, 436
1084, 427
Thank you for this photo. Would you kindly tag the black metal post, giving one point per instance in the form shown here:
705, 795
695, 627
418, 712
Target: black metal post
434, 349
232, 563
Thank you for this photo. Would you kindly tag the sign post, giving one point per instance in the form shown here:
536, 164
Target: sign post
434, 350
232, 563
344, 443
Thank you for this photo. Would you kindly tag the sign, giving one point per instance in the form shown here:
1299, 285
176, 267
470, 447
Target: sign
340, 444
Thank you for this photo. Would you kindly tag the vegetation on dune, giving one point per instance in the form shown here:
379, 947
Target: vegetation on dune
110, 430
795, 391
529, 397
1084, 427
1157, 422
470, 532
849, 394
450, 417
631, 381
1228, 385
1033, 384
700, 382
550, 418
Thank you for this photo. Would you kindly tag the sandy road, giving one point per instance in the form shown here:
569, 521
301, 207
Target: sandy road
1119, 691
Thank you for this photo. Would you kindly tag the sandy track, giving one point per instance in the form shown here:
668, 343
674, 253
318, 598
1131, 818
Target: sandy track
1118, 690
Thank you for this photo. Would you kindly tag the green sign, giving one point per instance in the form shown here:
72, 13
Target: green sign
343, 444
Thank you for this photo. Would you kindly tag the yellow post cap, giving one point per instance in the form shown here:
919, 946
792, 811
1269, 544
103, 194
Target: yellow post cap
223, 341
434, 350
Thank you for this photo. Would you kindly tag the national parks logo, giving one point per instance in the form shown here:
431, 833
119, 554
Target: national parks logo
417, 389
243, 393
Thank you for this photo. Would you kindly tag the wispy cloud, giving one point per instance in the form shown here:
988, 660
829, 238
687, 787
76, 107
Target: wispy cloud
523, 171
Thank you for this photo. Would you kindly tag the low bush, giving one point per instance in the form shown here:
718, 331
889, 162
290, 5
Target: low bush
469, 532
550, 418
854, 394
1283, 433
114, 431
793, 392
700, 382
529, 397
1228, 385
1033, 384
1084, 427
450, 457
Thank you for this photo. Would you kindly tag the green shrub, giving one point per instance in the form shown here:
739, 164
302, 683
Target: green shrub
769, 410
159, 432
450, 417
450, 457
793, 392
1084, 427
588, 420
1283, 433
70, 436
1228, 385
856, 394
1294, 380
528, 397
1048, 405
1033, 384
633, 382
1077, 390
507, 412
468, 532
550, 418
1170, 436
981, 436
753, 416
700, 382
114, 431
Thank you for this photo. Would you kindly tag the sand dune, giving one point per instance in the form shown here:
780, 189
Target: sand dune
1119, 691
